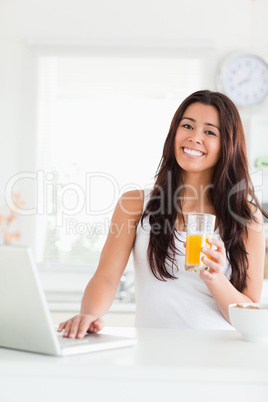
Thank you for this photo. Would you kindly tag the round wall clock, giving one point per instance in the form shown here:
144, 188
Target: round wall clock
244, 79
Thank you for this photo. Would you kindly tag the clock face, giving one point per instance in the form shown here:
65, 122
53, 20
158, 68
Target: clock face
245, 80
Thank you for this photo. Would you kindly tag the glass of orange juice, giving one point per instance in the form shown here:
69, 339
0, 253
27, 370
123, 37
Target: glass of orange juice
200, 227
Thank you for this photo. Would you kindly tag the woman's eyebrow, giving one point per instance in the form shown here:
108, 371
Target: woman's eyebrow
213, 125
207, 124
189, 118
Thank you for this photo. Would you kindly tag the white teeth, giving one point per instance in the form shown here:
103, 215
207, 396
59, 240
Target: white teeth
192, 152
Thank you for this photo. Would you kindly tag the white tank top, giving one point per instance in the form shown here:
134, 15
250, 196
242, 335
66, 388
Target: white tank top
184, 302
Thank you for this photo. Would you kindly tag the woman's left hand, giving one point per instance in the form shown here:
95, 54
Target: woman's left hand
216, 261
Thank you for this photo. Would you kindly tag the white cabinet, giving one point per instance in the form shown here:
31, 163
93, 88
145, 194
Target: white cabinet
64, 291
120, 315
110, 319
256, 131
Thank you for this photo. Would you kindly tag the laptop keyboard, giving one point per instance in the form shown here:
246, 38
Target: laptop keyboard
71, 342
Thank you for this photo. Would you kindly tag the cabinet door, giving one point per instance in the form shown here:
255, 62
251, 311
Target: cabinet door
111, 319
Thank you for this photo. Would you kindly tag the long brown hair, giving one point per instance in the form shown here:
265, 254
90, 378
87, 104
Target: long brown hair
230, 193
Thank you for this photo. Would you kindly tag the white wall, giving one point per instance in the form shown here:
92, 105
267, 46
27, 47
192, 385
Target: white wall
220, 26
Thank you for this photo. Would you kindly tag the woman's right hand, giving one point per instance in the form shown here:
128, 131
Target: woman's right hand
79, 325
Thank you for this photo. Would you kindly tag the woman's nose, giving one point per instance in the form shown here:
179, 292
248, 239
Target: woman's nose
195, 136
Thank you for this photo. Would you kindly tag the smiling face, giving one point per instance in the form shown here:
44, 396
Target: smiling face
197, 143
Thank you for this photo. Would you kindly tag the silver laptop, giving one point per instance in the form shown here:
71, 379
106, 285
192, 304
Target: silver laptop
25, 320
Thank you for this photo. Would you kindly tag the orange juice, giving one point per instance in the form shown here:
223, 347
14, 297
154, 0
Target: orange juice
193, 253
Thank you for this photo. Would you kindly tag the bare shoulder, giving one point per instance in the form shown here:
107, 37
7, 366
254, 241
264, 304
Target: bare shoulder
130, 204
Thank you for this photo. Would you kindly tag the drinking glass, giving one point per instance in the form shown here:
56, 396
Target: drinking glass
200, 227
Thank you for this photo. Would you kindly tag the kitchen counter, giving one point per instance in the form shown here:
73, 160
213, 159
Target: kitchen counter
194, 365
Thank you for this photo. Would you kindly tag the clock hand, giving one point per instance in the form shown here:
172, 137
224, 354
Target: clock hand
243, 81
247, 79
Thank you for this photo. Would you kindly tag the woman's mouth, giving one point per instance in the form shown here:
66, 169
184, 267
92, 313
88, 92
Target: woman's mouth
193, 152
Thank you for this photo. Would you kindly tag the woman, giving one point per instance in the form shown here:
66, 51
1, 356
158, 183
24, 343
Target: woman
203, 169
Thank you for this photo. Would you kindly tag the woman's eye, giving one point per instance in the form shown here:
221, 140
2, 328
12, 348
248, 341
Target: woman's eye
210, 133
188, 126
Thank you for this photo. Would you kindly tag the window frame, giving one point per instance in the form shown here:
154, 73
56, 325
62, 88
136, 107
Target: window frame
71, 267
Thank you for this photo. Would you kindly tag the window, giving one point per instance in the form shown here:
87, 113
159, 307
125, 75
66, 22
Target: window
102, 123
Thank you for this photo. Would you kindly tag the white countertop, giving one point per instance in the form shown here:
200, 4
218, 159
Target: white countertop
184, 360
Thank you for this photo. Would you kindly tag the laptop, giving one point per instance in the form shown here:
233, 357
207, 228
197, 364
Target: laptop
25, 319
